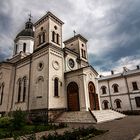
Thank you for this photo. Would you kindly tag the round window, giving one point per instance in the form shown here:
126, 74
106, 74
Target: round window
71, 63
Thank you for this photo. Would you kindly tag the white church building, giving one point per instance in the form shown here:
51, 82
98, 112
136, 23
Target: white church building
44, 76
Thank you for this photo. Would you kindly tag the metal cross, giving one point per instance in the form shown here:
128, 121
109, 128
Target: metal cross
30, 16
74, 32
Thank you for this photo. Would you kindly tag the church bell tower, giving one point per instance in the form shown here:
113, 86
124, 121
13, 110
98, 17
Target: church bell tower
48, 30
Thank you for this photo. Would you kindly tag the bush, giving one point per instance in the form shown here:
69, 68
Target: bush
5, 122
76, 134
132, 112
19, 119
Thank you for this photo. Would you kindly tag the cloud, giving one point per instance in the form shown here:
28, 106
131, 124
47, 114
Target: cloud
112, 27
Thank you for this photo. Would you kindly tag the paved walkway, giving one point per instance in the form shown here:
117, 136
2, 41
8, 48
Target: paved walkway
127, 128
124, 129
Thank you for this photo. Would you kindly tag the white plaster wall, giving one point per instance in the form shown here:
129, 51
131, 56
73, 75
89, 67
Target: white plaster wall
70, 56
78, 78
53, 23
103, 83
125, 104
6, 71
133, 101
37, 102
91, 76
122, 88
135, 78
60, 101
103, 99
21, 70
29, 45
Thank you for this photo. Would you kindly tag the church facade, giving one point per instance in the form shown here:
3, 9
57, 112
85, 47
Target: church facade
43, 76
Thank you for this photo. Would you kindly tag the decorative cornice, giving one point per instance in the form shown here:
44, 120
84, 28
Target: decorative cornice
74, 38
49, 14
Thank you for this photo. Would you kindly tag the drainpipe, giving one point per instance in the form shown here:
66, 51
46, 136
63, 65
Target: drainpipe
128, 92
29, 85
109, 94
12, 101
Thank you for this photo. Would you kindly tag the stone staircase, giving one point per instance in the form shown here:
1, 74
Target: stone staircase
107, 115
76, 117
96, 116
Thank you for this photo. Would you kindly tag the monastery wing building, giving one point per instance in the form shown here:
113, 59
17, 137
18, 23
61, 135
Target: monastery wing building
121, 91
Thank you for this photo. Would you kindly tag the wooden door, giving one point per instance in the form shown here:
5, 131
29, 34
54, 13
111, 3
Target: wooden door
73, 97
93, 97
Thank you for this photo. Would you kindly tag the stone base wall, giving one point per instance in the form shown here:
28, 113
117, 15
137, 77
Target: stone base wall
50, 115
55, 113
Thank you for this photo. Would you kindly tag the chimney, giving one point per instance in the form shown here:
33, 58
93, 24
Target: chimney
138, 67
112, 72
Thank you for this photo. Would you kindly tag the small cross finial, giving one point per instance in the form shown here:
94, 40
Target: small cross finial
74, 32
30, 16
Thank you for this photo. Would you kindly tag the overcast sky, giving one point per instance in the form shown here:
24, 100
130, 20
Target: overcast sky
112, 27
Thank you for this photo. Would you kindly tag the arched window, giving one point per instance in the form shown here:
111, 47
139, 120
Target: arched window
39, 91
57, 38
115, 87
43, 37
103, 89
24, 47
1, 93
39, 39
137, 100
56, 81
24, 88
16, 48
53, 36
118, 103
105, 103
19, 90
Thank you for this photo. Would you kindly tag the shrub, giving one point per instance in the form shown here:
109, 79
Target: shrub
132, 112
19, 119
5, 122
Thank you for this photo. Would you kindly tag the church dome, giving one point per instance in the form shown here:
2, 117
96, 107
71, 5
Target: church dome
28, 31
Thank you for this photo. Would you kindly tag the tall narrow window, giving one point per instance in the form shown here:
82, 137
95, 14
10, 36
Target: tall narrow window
56, 87
84, 54
105, 103
19, 90
24, 88
53, 36
115, 87
43, 37
137, 99
118, 103
1, 93
39, 39
103, 89
24, 47
82, 51
16, 47
135, 86
57, 38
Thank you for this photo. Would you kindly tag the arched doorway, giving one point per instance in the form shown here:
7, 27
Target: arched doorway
73, 97
93, 97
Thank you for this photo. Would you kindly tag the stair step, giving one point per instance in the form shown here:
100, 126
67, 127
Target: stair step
106, 115
78, 116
